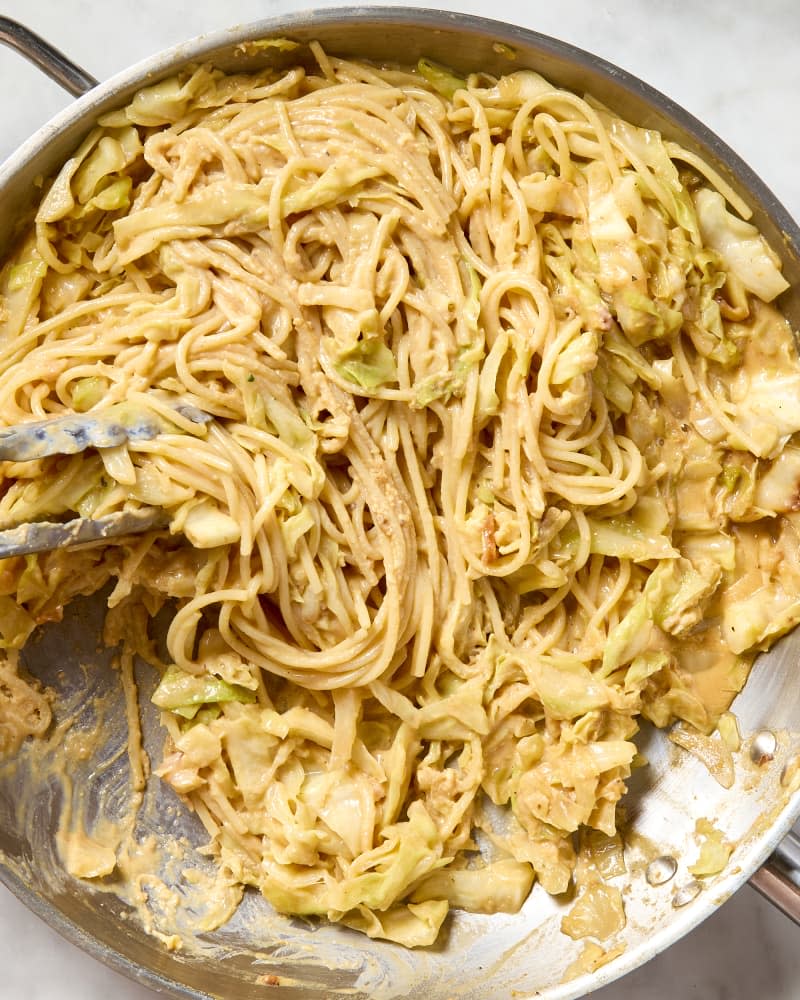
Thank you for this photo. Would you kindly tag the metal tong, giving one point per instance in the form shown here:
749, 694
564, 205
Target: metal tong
69, 435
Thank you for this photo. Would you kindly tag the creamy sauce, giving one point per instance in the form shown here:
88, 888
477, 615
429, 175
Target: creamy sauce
24, 708
277, 784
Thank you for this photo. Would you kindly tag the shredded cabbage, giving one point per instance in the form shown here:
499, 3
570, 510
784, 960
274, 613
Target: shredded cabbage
504, 456
740, 245
185, 694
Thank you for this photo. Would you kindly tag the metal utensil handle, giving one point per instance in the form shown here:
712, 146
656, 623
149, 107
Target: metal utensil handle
778, 880
48, 58
44, 536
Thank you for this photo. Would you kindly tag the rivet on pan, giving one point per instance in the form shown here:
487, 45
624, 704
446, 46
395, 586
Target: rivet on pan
763, 747
661, 870
686, 893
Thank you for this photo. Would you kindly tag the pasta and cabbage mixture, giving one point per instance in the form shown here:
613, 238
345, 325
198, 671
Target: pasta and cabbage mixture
501, 460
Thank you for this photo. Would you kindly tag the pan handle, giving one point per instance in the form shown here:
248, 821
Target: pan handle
48, 58
778, 880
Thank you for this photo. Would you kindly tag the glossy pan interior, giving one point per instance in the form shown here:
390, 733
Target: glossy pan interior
501, 956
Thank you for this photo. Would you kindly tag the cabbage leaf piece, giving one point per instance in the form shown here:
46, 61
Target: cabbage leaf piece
673, 599
20, 285
624, 538
413, 925
443, 80
333, 185
715, 850
15, 624
598, 912
568, 689
741, 246
370, 364
500, 887
409, 849
561, 791
184, 694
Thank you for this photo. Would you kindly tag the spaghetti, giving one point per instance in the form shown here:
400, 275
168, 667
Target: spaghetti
501, 460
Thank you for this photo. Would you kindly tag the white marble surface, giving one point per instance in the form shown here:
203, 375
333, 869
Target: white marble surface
731, 63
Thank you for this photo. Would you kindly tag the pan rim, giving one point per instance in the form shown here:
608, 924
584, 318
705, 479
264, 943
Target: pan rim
111, 92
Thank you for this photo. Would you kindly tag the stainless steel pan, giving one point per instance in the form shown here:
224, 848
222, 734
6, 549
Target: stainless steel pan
501, 956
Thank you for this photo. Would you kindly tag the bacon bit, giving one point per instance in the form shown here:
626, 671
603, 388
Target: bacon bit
489, 554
